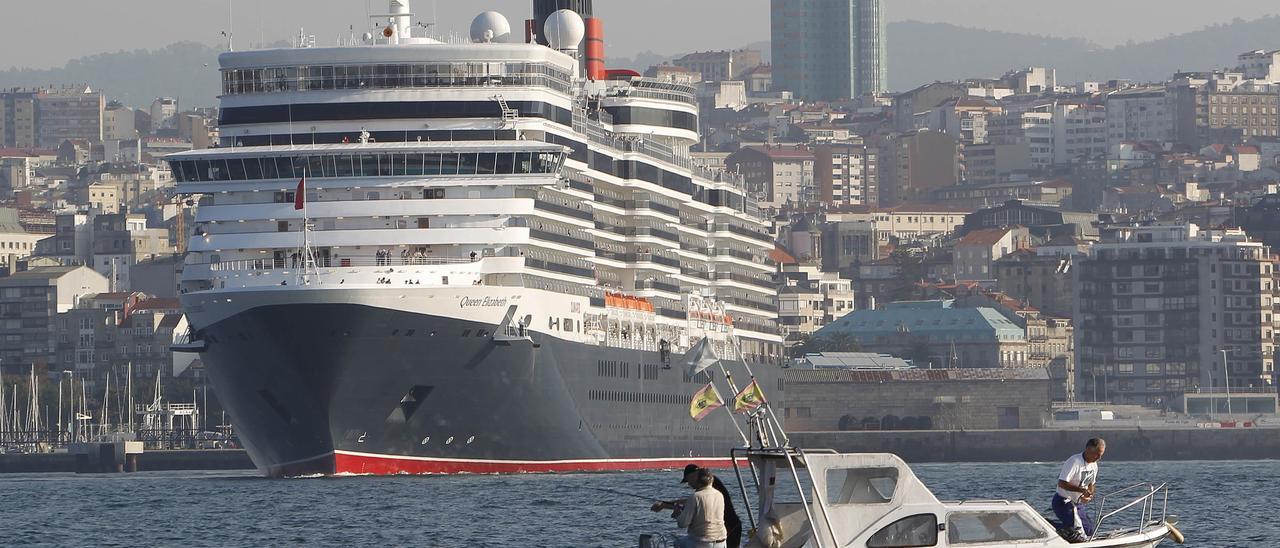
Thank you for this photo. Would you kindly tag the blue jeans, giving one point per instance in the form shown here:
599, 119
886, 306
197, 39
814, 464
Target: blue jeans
1072, 515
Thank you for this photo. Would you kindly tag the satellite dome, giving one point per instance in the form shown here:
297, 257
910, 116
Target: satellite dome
490, 26
564, 30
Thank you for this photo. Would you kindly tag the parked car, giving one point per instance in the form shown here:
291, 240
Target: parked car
212, 440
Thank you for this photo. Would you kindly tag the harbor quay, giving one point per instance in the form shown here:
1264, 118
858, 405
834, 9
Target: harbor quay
921, 446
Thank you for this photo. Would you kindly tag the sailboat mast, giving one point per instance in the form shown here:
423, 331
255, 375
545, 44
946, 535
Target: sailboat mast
130, 381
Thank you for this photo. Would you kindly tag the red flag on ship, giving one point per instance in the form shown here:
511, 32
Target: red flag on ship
300, 197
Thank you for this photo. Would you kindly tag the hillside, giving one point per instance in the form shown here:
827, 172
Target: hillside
919, 53
186, 70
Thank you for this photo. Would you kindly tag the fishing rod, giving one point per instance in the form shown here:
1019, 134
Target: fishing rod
624, 493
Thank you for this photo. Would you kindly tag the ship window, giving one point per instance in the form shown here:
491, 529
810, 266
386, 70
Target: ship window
252, 169
217, 170
505, 163
524, 162
485, 163
397, 164
369, 165
299, 167
344, 165
269, 169
315, 166
467, 164
413, 164
328, 167
466, 332
384, 165
449, 164
235, 168
189, 171
284, 166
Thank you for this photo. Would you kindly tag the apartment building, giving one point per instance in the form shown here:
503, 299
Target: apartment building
1157, 305
29, 303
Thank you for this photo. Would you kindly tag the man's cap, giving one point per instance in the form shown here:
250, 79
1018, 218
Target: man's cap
688, 469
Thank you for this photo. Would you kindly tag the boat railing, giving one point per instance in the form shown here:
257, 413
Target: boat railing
1146, 501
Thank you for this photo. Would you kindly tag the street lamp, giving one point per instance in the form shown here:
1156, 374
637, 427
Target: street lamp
1226, 377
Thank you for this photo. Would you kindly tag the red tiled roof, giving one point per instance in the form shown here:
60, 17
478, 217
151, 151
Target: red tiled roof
159, 303
1247, 150
780, 256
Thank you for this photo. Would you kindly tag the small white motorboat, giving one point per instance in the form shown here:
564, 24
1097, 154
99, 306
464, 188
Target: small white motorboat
874, 500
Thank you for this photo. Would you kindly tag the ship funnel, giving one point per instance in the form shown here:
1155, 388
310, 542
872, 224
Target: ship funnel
595, 49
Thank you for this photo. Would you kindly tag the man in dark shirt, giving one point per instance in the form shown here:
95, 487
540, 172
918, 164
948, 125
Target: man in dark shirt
731, 520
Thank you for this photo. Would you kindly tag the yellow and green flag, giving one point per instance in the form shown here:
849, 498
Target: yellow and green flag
749, 398
704, 402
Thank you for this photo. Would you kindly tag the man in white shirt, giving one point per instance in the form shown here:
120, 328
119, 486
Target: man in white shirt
1076, 485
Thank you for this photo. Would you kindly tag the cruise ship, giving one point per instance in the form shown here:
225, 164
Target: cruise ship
415, 255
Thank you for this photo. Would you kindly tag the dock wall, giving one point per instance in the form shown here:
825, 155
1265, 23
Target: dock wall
149, 461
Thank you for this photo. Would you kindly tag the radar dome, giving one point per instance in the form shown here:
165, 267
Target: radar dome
564, 30
490, 26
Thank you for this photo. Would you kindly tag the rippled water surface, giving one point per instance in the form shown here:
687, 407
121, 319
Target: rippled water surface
1221, 504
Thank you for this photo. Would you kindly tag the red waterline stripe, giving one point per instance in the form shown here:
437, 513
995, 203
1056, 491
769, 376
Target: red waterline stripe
389, 464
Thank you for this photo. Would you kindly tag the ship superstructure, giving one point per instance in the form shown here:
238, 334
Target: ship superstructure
497, 260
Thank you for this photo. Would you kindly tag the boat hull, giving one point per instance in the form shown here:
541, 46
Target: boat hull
341, 387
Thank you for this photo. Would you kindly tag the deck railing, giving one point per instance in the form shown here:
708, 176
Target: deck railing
1146, 502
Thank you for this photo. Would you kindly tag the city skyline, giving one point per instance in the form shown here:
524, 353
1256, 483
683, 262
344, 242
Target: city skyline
1135, 21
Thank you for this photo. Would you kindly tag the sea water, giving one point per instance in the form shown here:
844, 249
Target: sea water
1220, 504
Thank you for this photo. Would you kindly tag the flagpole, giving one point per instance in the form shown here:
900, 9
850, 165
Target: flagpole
308, 258
768, 408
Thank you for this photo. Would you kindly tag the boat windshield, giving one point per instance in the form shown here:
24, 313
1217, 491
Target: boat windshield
874, 485
980, 527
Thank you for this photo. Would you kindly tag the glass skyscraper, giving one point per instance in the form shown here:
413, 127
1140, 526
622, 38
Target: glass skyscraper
825, 50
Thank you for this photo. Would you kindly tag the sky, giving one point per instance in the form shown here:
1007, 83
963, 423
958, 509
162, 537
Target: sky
31, 35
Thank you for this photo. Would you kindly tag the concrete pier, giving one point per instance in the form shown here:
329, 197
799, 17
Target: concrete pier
106, 457
154, 460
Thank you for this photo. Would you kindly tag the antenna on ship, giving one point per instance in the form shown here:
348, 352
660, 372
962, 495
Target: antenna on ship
231, 27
